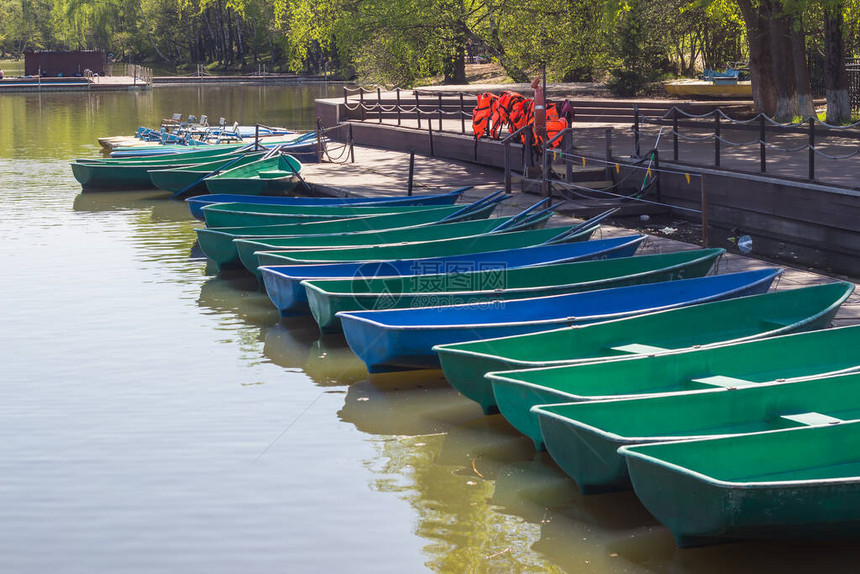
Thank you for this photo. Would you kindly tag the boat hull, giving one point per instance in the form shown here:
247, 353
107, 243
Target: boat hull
787, 357
735, 320
196, 204
248, 248
218, 244
404, 338
800, 483
276, 175
283, 283
327, 298
423, 250
583, 438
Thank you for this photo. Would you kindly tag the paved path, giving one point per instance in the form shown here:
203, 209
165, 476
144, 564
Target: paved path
385, 172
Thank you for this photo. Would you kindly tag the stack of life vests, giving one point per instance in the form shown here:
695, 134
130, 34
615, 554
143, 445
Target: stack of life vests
511, 110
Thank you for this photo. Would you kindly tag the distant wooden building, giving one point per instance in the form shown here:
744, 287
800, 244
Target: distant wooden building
65, 63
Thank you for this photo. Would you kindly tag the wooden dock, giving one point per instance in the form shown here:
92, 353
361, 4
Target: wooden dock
73, 84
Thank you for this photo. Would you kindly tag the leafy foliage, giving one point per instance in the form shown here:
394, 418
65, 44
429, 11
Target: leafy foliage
399, 42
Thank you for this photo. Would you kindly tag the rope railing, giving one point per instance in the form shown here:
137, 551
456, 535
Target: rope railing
811, 128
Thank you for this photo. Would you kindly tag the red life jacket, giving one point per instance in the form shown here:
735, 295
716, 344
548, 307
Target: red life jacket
482, 113
502, 113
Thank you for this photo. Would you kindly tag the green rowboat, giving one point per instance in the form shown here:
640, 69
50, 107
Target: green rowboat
583, 437
218, 244
274, 175
328, 297
119, 174
735, 320
801, 483
796, 356
247, 248
176, 179
441, 248
193, 155
251, 214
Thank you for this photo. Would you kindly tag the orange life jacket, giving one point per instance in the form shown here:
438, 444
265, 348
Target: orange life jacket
554, 124
522, 115
482, 113
502, 112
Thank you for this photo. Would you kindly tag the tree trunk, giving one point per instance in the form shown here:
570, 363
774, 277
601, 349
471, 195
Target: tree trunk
761, 62
805, 105
835, 76
784, 79
455, 67
240, 45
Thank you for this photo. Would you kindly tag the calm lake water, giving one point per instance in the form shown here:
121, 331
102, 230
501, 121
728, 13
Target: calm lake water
155, 417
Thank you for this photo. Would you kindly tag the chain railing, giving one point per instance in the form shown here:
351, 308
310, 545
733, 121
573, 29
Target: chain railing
434, 106
716, 121
332, 152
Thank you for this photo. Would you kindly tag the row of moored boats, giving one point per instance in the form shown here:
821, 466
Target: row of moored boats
729, 408
254, 168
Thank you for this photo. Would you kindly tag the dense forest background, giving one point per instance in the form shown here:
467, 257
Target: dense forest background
628, 43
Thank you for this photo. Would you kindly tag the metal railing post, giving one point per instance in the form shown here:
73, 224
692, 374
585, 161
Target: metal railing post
462, 115
762, 147
398, 106
430, 133
568, 152
379, 102
411, 171
607, 134
545, 171
716, 140
704, 202
675, 133
351, 146
417, 110
507, 158
440, 111
811, 148
361, 104
636, 136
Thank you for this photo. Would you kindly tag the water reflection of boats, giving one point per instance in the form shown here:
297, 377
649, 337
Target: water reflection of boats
295, 343
166, 209
636, 542
116, 201
624, 540
235, 296
406, 404
484, 445
527, 488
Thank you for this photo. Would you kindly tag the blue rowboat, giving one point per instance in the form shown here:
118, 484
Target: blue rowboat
787, 357
404, 338
327, 298
196, 204
283, 282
